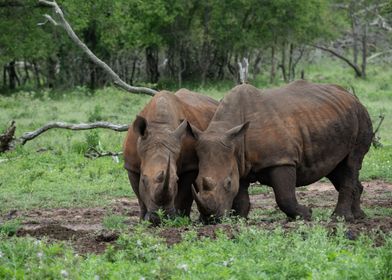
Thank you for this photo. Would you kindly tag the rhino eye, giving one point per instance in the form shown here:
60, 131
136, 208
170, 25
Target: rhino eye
227, 183
159, 178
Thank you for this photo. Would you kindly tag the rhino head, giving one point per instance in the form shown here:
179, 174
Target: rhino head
159, 148
217, 183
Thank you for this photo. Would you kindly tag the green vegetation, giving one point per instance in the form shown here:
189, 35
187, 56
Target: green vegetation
309, 252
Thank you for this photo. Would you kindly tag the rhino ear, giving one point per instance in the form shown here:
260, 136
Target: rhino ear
140, 126
237, 131
193, 131
181, 129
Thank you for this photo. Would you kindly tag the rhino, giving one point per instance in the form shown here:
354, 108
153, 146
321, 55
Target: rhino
160, 156
284, 138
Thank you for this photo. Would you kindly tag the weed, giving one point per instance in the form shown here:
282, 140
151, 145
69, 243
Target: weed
114, 222
9, 228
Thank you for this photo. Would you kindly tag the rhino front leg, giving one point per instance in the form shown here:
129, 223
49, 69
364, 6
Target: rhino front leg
283, 181
184, 198
134, 180
241, 203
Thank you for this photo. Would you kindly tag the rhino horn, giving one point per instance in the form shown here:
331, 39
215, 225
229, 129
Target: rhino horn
162, 192
166, 183
202, 205
197, 197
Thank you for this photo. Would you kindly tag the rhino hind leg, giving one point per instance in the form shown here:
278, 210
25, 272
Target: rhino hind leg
184, 198
356, 207
283, 181
241, 203
345, 180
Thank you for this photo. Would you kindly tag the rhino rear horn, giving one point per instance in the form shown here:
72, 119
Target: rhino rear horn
181, 129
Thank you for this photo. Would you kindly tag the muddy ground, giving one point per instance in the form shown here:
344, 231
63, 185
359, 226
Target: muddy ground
84, 230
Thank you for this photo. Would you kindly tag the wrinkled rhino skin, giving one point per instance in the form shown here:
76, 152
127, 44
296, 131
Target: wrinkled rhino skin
284, 138
159, 154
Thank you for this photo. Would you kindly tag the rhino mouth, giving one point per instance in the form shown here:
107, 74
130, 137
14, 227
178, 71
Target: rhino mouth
208, 208
155, 218
210, 220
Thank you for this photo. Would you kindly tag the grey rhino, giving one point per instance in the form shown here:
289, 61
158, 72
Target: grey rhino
159, 155
284, 138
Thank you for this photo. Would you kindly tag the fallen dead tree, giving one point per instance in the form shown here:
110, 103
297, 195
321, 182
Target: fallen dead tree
8, 141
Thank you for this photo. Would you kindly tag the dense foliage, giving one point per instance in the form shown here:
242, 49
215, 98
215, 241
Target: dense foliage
171, 41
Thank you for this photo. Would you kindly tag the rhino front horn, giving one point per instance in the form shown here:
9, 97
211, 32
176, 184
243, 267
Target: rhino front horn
196, 196
166, 183
161, 193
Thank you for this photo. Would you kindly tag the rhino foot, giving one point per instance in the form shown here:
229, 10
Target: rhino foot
359, 214
347, 215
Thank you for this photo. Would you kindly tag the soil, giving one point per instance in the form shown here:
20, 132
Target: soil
83, 227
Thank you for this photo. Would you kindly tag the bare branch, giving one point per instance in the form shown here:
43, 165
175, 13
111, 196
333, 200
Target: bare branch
8, 141
382, 117
382, 23
373, 56
48, 19
358, 72
27, 136
67, 27
93, 153
376, 139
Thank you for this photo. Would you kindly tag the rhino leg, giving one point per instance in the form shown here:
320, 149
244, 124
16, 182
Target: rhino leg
241, 203
283, 181
184, 198
134, 179
356, 207
345, 180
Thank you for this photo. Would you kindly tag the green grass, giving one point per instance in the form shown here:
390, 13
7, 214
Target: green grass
310, 252
114, 222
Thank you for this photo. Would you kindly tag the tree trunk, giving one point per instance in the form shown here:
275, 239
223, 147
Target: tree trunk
5, 70
273, 69
51, 74
13, 77
354, 31
36, 74
206, 48
27, 75
283, 63
152, 55
290, 66
256, 66
364, 51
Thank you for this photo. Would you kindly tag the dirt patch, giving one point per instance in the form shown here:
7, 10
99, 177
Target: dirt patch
83, 227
